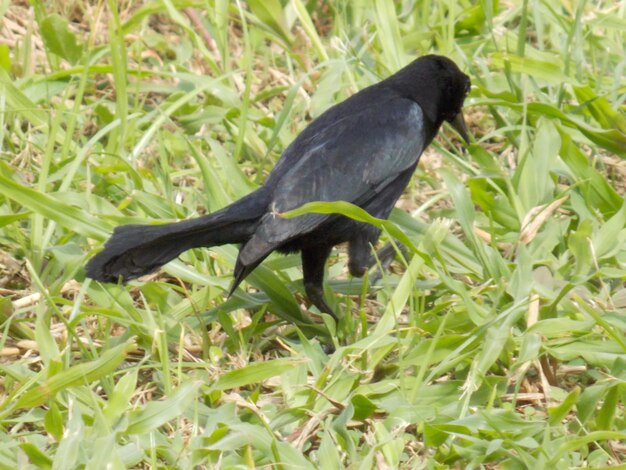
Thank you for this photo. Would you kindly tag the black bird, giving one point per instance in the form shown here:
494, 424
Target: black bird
363, 150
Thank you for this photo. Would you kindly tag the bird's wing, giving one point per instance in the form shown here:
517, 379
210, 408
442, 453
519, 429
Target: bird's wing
350, 159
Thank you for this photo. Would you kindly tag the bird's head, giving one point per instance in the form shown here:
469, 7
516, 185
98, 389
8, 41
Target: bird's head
439, 87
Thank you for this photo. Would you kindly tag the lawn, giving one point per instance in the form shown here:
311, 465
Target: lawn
497, 340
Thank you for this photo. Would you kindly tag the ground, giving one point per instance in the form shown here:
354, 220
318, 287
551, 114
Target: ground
497, 341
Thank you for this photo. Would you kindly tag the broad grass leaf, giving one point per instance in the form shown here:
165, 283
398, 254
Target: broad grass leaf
600, 353
473, 18
435, 435
558, 327
529, 349
81, 374
492, 262
550, 71
557, 413
160, 116
156, 413
363, 407
487, 161
59, 39
53, 421
270, 13
46, 91
614, 333
389, 34
369, 344
310, 29
435, 235
522, 280
106, 453
600, 109
608, 411
493, 343
507, 423
612, 139
594, 187
533, 177
237, 183
238, 435
353, 212
326, 93
609, 239
573, 443
17, 101
36, 456
75, 219
494, 202
68, 452
121, 396
327, 453
619, 368
312, 350
399, 298
254, 373
130, 454
115, 300
48, 347
284, 114
458, 256
579, 243
289, 453
392, 446
432, 351
587, 403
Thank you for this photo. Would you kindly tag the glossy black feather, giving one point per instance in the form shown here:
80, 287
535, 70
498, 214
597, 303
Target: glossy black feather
363, 150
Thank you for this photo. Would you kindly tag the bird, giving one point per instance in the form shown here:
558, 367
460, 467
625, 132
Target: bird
363, 150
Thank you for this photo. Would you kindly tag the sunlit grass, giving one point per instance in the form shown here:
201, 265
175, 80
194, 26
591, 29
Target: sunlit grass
496, 339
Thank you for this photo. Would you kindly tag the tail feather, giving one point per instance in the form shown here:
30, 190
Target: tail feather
241, 272
136, 250
251, 254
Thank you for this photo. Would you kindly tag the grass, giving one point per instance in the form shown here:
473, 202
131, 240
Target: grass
498, 341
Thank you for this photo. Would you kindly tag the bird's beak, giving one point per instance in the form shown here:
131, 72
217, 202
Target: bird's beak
458, 122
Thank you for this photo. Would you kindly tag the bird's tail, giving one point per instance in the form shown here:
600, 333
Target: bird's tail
136, 250
251, 254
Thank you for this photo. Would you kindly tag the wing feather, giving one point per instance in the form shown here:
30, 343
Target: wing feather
348, 161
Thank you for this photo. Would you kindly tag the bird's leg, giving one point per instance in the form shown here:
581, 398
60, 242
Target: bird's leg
387, 254
313, 265
361, 258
